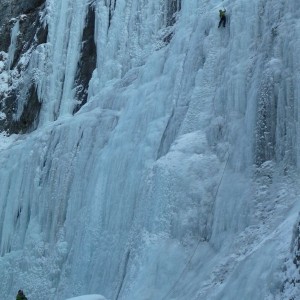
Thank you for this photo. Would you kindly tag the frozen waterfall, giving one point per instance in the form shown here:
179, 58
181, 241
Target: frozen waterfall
178, 176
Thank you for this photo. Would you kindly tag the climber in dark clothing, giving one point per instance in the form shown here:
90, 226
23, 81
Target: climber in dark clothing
222, 18
21, 296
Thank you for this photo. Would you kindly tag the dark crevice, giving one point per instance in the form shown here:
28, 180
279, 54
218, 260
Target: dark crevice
171, 130
87, 62
79, 141
111, 9
19, 213
123, 274
297, 246
173, 7
29, 117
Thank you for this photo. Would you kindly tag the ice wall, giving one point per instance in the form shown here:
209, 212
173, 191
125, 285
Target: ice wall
178, 178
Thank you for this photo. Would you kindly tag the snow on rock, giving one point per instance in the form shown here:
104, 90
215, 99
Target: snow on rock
6, 140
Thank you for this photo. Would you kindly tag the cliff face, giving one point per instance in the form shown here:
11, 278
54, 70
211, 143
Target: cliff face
146, 153
21, 32
24, 33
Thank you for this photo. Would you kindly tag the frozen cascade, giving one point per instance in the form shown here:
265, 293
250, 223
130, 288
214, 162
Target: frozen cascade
12, 46
178, 178
66, 21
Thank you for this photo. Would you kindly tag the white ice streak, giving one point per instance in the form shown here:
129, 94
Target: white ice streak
13, 43
66, 22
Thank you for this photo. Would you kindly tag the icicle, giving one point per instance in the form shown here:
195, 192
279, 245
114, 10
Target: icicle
66, 24
13, 44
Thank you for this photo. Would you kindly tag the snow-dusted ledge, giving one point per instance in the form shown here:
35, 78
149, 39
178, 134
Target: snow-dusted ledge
88, 297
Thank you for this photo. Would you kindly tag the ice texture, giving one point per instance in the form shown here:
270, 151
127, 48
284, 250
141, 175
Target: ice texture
179, 178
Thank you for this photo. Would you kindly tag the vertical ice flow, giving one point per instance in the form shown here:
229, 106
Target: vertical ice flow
67, 19
13, 43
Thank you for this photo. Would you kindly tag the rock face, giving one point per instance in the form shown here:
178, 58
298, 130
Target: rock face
22, 30
296, 249
291, 286
31, 34
87, 63
14, 9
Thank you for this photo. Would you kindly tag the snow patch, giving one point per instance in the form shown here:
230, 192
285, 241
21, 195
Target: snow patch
88, 297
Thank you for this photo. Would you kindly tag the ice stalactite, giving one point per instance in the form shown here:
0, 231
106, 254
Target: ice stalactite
13, 43
64, 41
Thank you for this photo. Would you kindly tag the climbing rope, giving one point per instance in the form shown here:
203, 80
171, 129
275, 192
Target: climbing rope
172, 289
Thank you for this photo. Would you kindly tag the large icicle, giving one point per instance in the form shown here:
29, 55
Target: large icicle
13, 44
66, 23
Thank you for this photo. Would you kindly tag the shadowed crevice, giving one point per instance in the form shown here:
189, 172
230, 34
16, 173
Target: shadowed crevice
87, 62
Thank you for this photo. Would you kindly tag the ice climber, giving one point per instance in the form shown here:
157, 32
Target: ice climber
21, 296
222, 18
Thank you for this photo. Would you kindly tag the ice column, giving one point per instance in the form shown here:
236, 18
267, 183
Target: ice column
13, 44
66, 23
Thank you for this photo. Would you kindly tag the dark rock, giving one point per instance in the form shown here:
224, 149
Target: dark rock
13, 9
29, 118
87, 62
173, 7
31, 34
